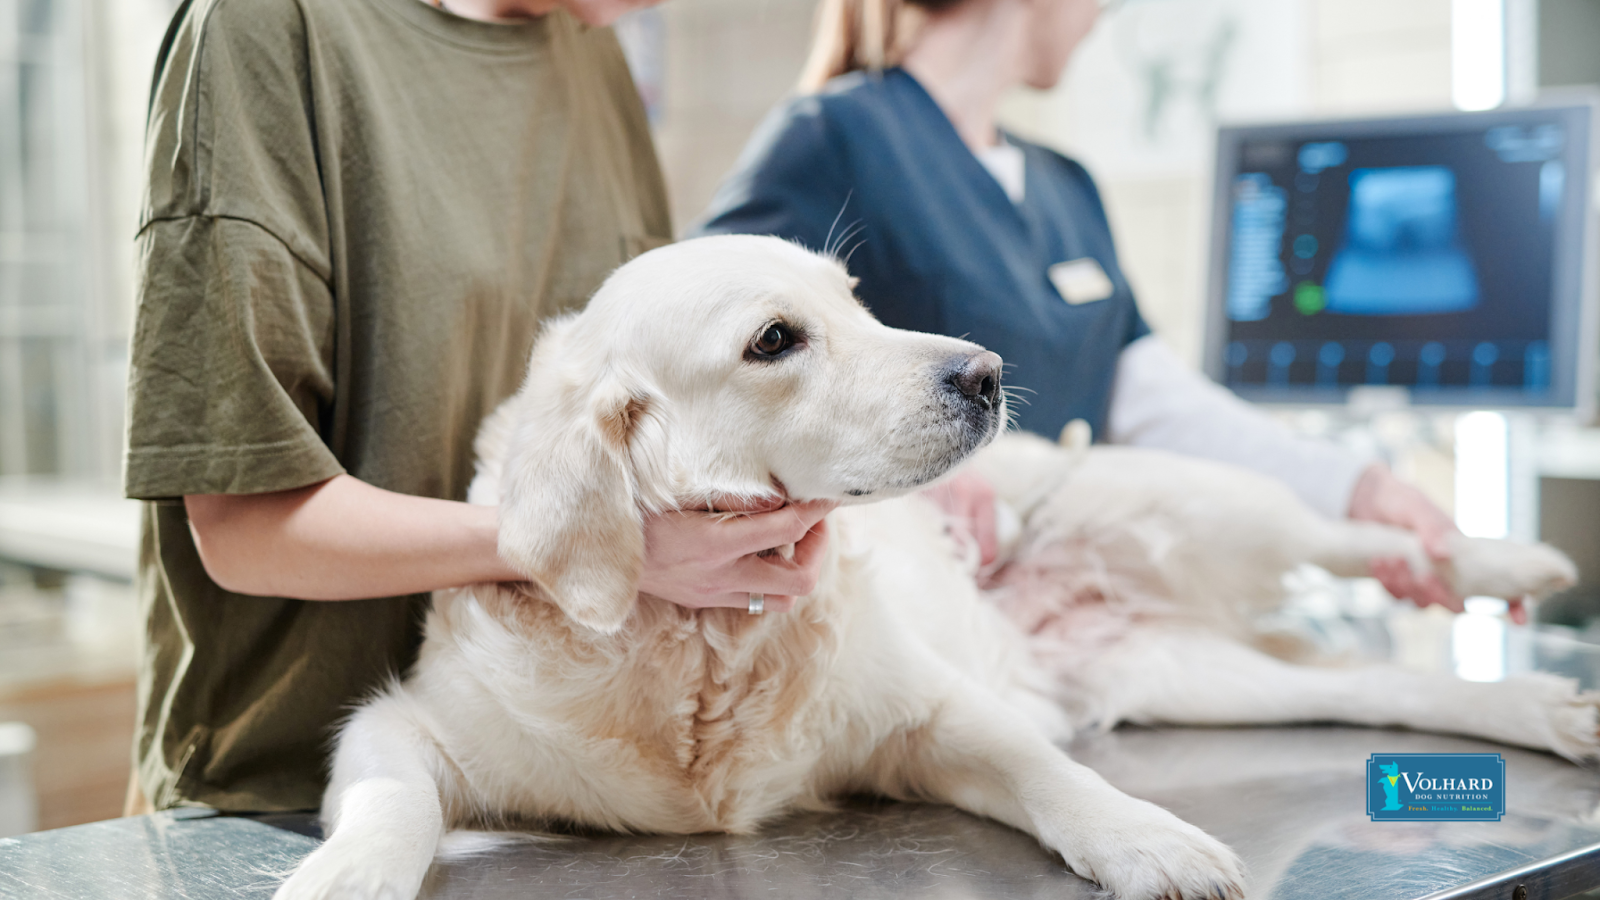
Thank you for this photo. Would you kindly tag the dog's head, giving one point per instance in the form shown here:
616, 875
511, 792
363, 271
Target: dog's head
723, 367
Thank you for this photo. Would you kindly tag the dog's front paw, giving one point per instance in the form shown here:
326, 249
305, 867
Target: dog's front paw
1139, 851
1479, 566
333, 873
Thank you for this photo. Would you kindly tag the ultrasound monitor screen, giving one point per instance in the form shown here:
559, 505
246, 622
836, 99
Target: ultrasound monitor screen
1444, 255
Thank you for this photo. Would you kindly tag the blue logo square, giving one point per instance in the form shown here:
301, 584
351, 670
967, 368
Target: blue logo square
1436, 787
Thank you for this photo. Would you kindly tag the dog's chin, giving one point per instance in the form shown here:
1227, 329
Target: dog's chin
975, 429
972, 434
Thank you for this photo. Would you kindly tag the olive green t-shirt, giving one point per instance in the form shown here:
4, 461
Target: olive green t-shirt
358, 213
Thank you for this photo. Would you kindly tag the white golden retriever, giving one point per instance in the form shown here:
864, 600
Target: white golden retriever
743, 366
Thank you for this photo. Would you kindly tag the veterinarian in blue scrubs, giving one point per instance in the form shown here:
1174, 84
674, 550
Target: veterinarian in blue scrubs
891, 157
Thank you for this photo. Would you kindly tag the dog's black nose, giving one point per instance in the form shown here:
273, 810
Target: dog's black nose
978, 379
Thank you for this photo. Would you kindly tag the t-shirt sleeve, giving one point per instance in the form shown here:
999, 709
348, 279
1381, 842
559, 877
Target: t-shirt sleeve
232, 364
792, 182
231, 367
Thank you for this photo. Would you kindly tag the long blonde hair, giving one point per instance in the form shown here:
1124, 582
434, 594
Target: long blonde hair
851, 35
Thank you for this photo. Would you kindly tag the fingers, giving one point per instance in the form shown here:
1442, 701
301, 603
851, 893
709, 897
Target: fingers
778, 604
980, 516
1519, 611
1395, 576
763, 531
1428, 522
985, 532
770, 603
1398, 579
968, 500
808, 551
785, 577
1365, 496
1432, 590
1437, 544
1381, 497
702, 561
746, 505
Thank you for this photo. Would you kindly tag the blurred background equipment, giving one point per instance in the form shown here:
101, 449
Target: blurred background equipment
1449, 257
19, 804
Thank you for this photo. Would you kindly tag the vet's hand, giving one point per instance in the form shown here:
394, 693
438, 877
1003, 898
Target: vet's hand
1381, 497
701, 560
968, 499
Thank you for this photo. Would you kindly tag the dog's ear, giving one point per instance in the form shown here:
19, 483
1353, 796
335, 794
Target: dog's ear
568, 517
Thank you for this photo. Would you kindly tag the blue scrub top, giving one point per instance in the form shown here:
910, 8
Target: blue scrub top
873, 169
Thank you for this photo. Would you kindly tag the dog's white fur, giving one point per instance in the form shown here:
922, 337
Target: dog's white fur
578, 700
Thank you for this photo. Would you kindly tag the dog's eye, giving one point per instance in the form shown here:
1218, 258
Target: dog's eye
772, 341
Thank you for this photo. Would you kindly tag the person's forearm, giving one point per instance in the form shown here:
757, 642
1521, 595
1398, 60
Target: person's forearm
344, 539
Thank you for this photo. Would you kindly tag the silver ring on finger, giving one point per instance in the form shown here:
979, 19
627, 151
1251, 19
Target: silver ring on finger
758, 603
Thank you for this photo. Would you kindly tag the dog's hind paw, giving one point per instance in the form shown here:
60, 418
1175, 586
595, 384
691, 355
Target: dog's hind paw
1538, 710
1530, 709
1147, 853
1574, 723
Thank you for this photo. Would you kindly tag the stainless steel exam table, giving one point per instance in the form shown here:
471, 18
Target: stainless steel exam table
1291, 801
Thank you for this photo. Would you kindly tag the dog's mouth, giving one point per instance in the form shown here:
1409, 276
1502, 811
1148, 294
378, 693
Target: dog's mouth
975, 428
974, 436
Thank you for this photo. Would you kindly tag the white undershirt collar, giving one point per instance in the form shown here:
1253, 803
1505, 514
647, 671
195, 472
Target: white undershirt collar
1005, 162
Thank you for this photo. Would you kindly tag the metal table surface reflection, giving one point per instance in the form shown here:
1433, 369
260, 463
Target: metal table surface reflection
1291, 801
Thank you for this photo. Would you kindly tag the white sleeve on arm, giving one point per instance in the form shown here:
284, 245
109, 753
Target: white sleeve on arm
1157, 401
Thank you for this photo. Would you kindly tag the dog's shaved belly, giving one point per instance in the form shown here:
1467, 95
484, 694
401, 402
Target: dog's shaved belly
684, 722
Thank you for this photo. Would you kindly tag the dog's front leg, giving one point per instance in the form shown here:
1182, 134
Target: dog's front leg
382, 812
978, 755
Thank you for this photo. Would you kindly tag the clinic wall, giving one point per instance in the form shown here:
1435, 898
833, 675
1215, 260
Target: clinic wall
79, 73
122, 39
728, 63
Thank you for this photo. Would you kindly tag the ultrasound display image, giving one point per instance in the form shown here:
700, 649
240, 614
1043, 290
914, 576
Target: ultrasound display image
1420, 260
1401, 254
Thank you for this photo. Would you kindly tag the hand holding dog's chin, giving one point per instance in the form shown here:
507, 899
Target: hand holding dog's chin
701, 560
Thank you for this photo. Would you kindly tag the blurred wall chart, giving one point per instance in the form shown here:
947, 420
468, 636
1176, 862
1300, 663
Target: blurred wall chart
1148, 87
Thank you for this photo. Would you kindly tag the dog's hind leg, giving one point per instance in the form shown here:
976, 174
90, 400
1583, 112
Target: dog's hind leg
1198, 678
382, 811
977, 755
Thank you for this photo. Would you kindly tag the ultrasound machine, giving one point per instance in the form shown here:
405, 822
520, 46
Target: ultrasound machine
1448, 258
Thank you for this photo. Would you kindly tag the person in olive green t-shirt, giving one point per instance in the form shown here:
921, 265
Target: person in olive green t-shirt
358, 212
